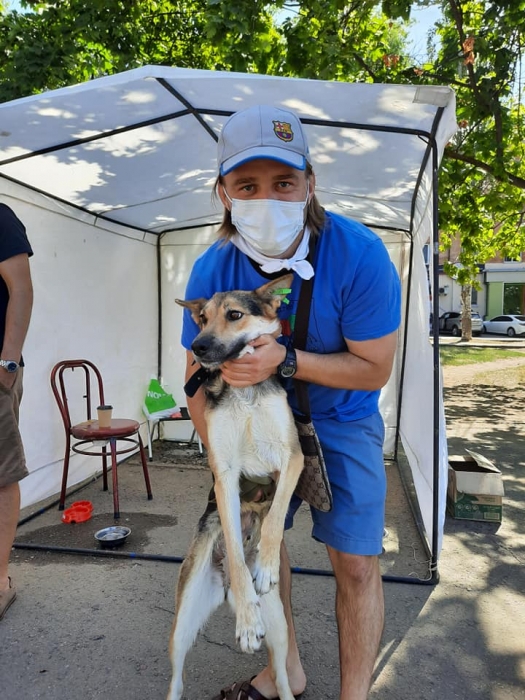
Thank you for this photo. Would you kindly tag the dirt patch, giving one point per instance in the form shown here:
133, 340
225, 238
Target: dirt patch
505, 371
170, 453
484, 413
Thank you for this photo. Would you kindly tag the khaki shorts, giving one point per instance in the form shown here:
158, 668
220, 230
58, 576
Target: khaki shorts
12, 459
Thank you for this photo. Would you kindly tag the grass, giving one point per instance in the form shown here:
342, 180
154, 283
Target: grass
458, 356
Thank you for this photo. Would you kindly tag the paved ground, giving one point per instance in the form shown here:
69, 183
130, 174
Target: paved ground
94, 627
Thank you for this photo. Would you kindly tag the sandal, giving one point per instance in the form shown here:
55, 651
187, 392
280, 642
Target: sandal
7, 598
242, 690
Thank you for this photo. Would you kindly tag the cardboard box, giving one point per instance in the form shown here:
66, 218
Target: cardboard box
475, 488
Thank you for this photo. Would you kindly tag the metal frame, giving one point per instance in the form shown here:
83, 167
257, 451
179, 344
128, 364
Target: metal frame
431, 153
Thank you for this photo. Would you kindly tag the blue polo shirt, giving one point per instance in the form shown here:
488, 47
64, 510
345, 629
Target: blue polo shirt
356, 295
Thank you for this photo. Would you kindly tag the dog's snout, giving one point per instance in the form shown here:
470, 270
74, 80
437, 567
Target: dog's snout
211, 351
201, 345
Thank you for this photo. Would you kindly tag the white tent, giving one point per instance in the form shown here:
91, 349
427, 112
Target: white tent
113, 180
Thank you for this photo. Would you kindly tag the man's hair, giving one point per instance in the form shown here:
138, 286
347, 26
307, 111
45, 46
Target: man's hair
315, 213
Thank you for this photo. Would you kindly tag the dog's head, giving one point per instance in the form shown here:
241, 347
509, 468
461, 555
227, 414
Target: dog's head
230, 320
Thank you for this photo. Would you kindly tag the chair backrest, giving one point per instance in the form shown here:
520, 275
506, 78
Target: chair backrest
91, 375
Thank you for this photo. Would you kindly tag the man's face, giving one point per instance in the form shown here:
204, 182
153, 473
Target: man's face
266, 179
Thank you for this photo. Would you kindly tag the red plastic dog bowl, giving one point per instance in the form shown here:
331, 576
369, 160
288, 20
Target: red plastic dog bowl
82, 504
79, 512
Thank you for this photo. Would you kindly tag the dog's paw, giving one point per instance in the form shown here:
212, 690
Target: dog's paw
175, 690
265, 575
250, 629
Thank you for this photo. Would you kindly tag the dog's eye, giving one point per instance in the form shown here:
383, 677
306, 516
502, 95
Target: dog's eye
233, 315
202, 320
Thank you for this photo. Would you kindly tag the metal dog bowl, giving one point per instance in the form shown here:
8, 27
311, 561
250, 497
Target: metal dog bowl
113, 536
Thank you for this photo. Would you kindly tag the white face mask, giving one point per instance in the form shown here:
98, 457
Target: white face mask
269, 225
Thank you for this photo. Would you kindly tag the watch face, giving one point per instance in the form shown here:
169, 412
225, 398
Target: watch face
11, 366
287, 371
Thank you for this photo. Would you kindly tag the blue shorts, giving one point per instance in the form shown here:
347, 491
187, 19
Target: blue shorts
353, 454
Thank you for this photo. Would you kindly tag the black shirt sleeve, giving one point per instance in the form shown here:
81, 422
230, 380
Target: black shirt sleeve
13, 238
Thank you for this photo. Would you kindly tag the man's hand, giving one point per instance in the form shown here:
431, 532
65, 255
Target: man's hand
254, 368
7, 379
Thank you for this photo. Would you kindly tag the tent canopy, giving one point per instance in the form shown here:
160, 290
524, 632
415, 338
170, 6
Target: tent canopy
139, 148
99, 170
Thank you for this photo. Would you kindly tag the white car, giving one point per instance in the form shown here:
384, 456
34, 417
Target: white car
451, 321
509, 324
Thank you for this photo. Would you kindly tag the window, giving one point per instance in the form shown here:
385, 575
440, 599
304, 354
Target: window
514, 298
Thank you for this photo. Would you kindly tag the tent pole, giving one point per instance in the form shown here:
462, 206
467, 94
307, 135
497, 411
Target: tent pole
435, 348
179, 559
159, 311
405, 343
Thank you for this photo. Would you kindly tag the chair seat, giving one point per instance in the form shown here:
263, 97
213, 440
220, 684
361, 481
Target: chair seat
89, 430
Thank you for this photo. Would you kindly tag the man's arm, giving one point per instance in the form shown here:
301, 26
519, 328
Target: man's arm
366, 366
197, 401
16, 274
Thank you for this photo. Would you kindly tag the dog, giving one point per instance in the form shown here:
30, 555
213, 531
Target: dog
235, 552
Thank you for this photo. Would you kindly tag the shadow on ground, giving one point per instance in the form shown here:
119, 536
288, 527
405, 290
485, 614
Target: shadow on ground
99, 627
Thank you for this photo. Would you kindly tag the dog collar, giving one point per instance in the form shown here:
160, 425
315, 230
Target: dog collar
196, 380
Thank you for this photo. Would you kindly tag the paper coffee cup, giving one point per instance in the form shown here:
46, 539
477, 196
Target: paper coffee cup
104, 416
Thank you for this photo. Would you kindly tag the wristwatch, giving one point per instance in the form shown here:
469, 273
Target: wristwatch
9, 365
288, 367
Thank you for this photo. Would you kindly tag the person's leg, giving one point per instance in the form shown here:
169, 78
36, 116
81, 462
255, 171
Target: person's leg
360, 616
352, 532
264, 682
9, 512
12, 470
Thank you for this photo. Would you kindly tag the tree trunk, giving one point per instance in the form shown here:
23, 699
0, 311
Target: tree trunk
466, 312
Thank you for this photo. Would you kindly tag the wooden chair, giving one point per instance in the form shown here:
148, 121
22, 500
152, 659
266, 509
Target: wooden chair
89, 433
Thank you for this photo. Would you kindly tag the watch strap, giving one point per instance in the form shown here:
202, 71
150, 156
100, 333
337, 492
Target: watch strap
290, 360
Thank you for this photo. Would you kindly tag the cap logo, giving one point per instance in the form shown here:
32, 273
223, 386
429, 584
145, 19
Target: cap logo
283, 131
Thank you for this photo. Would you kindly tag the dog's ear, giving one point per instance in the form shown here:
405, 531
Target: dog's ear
195, 306
277, 289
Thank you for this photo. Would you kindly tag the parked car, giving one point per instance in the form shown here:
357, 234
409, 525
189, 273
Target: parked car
450, 322
510, 325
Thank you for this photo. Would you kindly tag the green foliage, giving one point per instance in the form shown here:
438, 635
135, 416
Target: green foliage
457, 355
476, 47
57, 44
483, 176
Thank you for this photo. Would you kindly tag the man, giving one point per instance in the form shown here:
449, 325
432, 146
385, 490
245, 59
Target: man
267, 186
16, 301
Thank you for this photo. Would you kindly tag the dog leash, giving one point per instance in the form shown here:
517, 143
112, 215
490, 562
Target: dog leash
300, 335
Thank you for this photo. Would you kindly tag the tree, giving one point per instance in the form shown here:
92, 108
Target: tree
476, 47
482, 188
